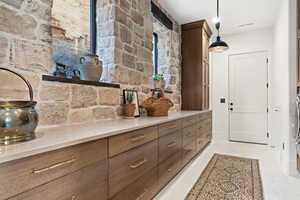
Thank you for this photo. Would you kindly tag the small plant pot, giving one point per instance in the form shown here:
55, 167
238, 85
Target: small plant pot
129, 110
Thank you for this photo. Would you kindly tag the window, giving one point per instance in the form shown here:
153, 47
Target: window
155, 53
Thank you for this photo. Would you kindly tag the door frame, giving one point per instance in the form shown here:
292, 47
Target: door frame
268, 92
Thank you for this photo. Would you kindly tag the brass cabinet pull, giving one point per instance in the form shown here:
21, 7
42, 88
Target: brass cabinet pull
170, 170
60, 164
74, 198
138, 164
172, 144
142, 195
138, 138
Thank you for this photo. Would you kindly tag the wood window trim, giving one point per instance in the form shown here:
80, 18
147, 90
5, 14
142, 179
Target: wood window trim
93, 26
155, 53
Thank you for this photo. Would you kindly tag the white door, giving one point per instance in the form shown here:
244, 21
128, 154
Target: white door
248, 97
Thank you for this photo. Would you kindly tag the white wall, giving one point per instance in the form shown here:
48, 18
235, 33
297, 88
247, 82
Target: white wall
281, 78
280, 42
259, 40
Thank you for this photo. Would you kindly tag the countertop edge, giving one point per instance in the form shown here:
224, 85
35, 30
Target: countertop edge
11, 153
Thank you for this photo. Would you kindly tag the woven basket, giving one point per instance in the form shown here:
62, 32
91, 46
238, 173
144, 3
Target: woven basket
157, 107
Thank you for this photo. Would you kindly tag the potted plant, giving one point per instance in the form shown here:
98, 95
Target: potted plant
129, 107
158, 81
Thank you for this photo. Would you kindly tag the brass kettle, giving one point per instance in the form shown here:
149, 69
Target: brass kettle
18, 119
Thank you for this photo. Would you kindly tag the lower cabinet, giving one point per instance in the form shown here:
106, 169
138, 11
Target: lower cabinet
145, 187
89, 183
130, 166
168, 169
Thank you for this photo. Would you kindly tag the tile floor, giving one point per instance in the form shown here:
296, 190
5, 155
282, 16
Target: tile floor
277, 186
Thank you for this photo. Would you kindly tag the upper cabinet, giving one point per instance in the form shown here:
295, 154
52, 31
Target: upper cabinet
298, 45
195, 65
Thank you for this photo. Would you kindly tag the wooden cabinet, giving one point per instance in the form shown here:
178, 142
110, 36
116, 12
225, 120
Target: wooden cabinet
298, 44
195, 65
169, 145
144, 188
131, 166
124, 142
89, 183
25, 174
126, 168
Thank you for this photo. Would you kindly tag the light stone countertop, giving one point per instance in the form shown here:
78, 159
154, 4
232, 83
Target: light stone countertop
60, 137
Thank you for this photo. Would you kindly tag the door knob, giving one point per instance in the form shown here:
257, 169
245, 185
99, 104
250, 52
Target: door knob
231, 104
231, 109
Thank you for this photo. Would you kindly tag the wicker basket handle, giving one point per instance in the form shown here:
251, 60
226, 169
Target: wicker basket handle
22, 77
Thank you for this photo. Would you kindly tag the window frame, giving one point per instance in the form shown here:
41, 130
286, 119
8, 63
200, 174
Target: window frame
155, 53
93, 26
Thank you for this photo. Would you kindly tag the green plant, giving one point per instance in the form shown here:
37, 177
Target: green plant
129, 97
158, 77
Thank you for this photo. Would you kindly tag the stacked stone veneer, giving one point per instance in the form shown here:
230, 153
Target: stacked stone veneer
124, 45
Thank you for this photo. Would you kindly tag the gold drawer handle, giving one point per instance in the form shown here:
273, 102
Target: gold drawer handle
138, 138
172, 144
142, 195
138, 164
74, 198
170, 170
57, 165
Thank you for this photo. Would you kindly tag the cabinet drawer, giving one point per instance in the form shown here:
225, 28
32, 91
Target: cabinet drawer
189, 121
169, 127
89, 183
201, 144
25, 174
145, 188
127, 167
168, 169
169, 145
188, 152
206, 115
124, 142
188, 135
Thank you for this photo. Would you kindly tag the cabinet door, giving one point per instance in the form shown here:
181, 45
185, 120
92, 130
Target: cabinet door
126, 168
298, 78
89, 183
145, 188
205, 45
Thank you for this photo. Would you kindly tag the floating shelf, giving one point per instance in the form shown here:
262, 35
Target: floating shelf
80, 82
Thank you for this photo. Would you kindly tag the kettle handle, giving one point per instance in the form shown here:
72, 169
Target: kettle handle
22, 77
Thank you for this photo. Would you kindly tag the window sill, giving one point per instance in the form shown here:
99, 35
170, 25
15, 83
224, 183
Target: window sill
165, 91
80, 82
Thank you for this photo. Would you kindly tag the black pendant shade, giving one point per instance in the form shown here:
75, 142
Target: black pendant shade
219, 45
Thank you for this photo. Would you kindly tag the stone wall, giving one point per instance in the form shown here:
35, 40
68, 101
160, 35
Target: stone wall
169, 57
125, 45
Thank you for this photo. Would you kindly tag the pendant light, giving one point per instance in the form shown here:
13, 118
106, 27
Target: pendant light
218, 45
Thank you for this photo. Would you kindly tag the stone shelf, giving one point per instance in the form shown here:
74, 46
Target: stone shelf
81, 82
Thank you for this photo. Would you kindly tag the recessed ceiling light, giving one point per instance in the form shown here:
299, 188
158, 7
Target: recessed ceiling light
243, 25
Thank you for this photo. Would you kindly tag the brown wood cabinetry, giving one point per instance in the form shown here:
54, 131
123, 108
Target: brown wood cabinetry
131, 166
127, 167
298, 44
195, 65
25, 174
89, 183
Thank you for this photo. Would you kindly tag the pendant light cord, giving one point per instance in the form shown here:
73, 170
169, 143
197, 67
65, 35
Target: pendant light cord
218, 24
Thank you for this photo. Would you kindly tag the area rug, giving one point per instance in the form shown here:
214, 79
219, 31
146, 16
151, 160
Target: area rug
228, 178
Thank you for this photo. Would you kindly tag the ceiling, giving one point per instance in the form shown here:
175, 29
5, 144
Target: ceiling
233, 13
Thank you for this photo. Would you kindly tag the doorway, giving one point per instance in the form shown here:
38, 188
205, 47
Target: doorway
248, 97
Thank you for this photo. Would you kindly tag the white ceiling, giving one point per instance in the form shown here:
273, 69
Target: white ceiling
233, 13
